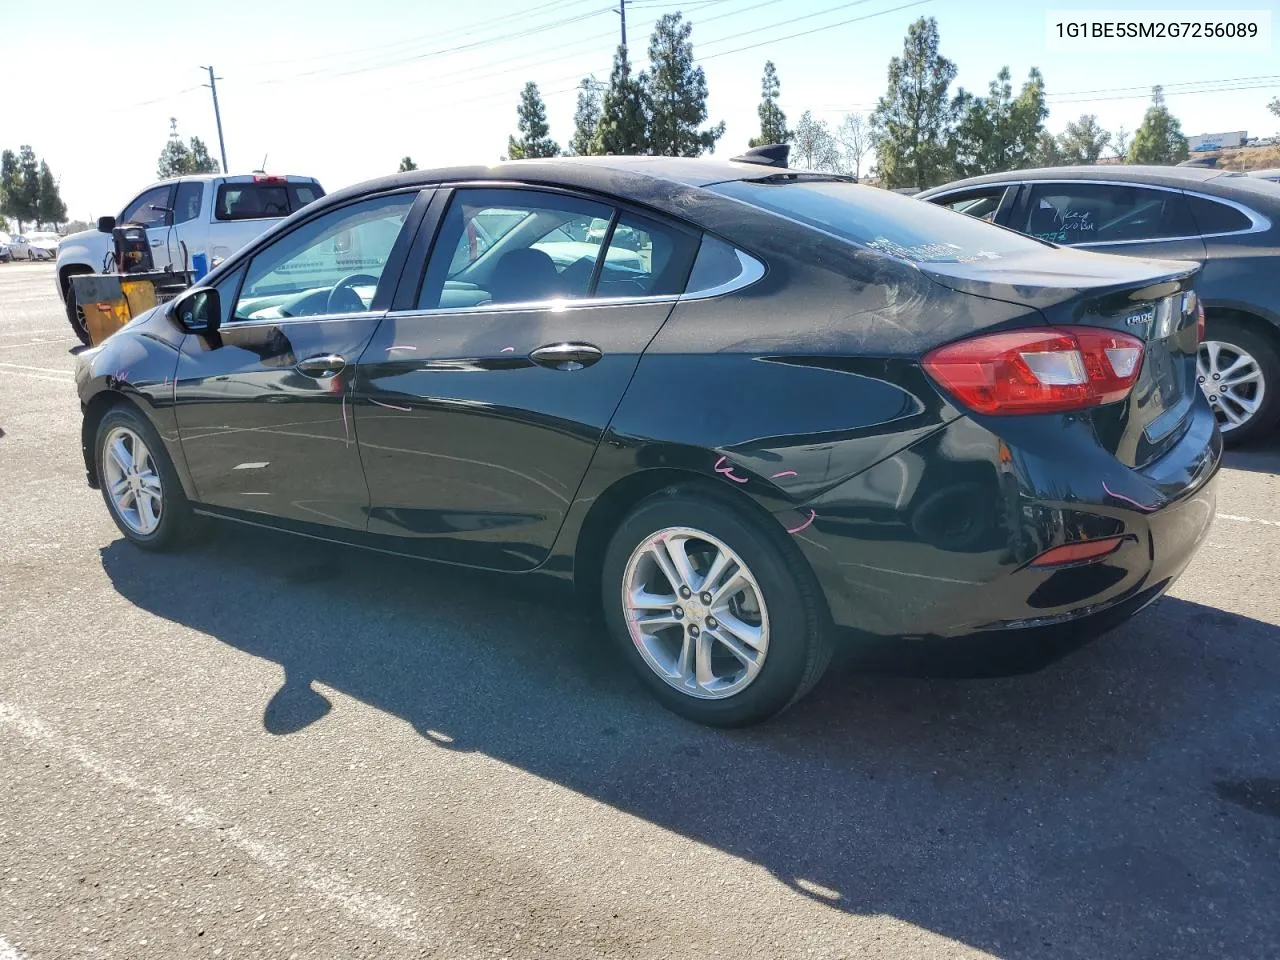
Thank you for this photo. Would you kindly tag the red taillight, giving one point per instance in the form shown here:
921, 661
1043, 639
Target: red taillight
1078, 552
1044, 370
260, 178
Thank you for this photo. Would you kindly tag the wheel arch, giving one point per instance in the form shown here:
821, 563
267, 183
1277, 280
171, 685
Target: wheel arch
1254, 320
68, 270
97, 407
613, 504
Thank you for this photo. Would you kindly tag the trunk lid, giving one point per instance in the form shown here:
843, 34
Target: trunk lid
1153, 300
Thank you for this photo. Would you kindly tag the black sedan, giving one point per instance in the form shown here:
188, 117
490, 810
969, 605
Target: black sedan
1226, 221
786, 409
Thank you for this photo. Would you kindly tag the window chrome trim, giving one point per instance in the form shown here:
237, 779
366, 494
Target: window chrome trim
752, 271
1259, 223
561, 305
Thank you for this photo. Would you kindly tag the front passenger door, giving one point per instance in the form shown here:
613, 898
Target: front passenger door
481, 404
153, 210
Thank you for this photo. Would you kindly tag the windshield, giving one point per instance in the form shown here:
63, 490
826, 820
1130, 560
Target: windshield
881, 220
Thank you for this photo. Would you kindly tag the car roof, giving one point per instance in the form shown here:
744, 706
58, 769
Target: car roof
627, 176
1269, 174
1164, 176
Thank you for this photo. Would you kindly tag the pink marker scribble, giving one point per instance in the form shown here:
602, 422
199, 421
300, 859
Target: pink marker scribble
812, 515
728, 471
1129, 500
399, 346
346, 425
507, 350
785, 473
391, 406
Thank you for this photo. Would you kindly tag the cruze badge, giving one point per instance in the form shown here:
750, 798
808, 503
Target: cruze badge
1141, 319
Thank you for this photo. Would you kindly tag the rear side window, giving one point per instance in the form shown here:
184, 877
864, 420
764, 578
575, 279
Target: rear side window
889, 223
186, 206
645, 259
719, 265
1214, 217
1075, 213
262, 201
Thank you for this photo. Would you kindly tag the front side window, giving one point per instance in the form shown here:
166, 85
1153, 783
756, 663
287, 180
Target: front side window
186, 205
331, 264
881, 220
148, 210
1074, 213
513, 246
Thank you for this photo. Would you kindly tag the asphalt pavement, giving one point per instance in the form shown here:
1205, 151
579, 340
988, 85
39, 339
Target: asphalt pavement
264, 747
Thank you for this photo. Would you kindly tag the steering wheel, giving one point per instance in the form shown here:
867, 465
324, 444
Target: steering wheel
344, 286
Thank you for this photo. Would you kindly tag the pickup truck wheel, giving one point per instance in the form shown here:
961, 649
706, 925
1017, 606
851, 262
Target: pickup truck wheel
75, 315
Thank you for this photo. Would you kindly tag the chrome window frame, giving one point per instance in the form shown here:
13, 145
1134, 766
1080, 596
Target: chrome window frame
1259, 223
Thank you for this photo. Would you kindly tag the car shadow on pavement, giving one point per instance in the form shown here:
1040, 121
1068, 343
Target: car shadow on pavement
1259, 458
1122, 802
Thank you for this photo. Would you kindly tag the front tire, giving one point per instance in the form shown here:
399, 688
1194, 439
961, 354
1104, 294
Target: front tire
139, 484
718, 614
1239, 371
75, 315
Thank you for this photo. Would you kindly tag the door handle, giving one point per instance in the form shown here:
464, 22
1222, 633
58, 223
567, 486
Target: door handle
157, 243
566, 356
328, 365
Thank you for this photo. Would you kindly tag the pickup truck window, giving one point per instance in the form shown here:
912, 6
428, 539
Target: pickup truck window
187, 204
261, 201
148, 210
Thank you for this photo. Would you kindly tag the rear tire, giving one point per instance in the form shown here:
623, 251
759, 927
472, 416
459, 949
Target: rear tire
1226, 342
139, 484
761, 644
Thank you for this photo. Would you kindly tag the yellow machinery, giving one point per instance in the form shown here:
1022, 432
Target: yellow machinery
110, 301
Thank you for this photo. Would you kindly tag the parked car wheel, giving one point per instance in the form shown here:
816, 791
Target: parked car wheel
718, 616
138, 482
75, 315
1239, 371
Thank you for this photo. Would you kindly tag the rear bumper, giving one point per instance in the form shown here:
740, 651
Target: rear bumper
932, 547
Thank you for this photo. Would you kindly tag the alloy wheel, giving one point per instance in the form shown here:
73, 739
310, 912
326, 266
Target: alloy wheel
695, 612
133, 482
1232, 380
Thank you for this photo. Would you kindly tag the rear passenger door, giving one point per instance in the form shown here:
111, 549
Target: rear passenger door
485, 391
1124, 218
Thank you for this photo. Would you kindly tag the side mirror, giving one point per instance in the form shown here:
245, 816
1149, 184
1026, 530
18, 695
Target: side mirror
198, 310
106, 224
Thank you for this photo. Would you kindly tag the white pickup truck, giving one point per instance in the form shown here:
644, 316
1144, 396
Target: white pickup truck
191, 221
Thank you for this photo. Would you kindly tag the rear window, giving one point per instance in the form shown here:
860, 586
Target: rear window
262, 201
898, 226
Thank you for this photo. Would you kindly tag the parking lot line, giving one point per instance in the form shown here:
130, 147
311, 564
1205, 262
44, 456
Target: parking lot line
365, 905
1236, 519
21, 366
9, 952
37, 342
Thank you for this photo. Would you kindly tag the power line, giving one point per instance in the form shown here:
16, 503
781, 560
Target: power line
805, 33
1172, 93
469, 30
1146, 88
518, 35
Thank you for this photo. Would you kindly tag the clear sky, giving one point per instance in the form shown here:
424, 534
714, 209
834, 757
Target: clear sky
342, 89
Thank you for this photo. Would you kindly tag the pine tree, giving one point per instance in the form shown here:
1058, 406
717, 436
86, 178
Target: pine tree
773, 122
624, 112
1159, 140
11, 187
28, 185
50, 209
531, 118
913, 120
1083, 141
175, 158
407, 164
201, 162
998, 132
677, 93
586, 118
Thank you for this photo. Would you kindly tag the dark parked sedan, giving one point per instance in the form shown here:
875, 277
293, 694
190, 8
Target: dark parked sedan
1228, 222
792, 408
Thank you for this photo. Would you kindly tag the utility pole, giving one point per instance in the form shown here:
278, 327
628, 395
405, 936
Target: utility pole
621, 11
213, 86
